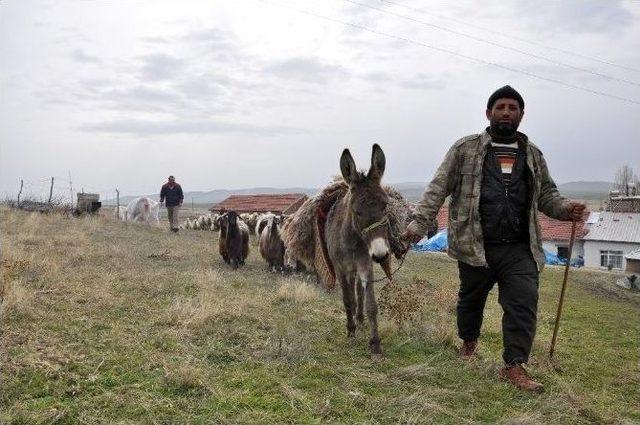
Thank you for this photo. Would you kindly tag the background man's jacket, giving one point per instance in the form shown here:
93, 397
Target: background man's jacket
172, 195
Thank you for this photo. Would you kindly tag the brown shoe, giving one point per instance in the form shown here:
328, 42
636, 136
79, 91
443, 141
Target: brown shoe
519, 377
468, 350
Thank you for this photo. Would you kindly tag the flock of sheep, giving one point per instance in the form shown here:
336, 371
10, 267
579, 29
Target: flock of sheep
234, 231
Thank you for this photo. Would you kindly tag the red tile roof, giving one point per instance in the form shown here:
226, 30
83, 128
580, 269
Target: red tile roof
552, 229
556, 230
281, 203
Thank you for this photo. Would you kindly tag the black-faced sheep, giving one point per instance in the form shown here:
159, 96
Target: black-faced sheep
271, 244
233, 243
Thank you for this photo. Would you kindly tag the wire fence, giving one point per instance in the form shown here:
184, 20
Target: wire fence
58, 190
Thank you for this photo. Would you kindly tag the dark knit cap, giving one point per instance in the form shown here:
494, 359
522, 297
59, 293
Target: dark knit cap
507, 92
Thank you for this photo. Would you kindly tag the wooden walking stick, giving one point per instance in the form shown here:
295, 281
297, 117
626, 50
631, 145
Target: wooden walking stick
564, 287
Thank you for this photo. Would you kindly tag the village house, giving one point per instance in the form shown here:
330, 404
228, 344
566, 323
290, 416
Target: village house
556, 236
611, 236
286, 203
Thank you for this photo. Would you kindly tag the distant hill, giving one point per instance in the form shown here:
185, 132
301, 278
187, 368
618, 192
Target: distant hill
217, 195
586, 189
412, 191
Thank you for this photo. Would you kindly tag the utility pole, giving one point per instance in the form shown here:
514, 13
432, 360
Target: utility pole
192, 203
118, 204
20, 192
50, 192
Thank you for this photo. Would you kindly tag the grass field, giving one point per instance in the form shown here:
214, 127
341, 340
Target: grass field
104, 322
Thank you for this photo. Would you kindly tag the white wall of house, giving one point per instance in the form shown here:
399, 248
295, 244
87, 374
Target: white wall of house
552, 247
592, 251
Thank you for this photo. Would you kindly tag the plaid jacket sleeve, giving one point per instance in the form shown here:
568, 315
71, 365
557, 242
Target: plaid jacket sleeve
441, 186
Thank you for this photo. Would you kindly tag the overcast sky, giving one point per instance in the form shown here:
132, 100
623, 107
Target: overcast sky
234, 94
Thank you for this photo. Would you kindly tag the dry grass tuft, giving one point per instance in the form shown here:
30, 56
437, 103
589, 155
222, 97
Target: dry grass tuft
403, 303
297, 291
17, 301
192, 312
185, 380
441, 326
210, 278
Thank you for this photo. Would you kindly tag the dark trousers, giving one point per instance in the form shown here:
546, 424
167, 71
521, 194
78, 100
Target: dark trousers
172, 215
513, 267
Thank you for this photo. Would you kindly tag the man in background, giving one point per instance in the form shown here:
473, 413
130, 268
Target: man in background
171, 192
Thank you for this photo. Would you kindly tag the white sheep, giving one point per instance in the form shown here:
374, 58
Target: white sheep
144, 210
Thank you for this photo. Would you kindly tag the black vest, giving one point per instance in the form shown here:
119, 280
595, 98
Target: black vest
504, 208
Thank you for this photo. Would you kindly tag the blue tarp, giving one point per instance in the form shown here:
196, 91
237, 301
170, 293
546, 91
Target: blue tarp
437, 242
553, 259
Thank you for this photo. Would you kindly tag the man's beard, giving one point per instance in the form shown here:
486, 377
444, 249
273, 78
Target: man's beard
504, 129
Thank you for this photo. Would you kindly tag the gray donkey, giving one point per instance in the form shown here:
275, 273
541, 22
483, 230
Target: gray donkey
357, 234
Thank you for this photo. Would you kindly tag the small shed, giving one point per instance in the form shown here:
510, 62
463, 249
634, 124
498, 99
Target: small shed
88, 203
286, 203
633, 261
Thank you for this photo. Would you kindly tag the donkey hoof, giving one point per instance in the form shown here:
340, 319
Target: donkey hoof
377, 357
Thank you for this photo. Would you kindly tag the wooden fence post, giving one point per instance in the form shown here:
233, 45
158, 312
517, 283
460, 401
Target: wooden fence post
70, 189
50, 192
118, 204
20, 192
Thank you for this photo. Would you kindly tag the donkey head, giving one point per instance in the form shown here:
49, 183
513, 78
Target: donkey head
367, 202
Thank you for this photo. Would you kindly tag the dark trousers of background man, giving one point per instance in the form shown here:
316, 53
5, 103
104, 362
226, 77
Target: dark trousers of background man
513, 267
172, 213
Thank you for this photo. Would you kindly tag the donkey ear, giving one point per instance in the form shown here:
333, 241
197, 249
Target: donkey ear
348, 166
378, 162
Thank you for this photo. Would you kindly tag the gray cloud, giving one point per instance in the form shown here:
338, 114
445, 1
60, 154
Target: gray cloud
200, 87
422, 81
212, 38
142, 93
155, 40
80, 56
584, 16
155, 128
377, 77
160, 66
309, 70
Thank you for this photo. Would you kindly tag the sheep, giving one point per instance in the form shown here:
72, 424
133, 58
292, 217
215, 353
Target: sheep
215, 225
261, 222
233, 244
271, 245
144, 210
249, 220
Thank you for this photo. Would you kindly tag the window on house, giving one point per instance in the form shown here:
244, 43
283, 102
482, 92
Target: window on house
563, 252
611, 258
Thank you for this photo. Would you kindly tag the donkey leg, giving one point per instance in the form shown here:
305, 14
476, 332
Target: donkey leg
372, 315
360, 308
348, 298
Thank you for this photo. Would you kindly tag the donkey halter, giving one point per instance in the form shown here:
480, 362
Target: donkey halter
383, 222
